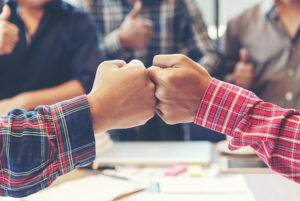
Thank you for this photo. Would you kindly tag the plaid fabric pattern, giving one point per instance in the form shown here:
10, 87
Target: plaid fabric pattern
178, 28
273, 132
36, 147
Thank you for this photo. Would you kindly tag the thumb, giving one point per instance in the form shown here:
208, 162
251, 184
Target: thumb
137, 8
135, 63
6, 12
108, 65
244, 56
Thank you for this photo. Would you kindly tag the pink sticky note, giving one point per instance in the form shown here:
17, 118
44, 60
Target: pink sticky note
176, 170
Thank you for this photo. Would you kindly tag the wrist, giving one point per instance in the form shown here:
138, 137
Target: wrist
26, 100
100, 117
122, 38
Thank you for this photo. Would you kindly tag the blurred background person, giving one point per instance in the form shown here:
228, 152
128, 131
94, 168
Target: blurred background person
263, 48
48, 53
141, 29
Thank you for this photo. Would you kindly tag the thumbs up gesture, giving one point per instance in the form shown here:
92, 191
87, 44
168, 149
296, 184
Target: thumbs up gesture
244, 71
9, 33
135, 32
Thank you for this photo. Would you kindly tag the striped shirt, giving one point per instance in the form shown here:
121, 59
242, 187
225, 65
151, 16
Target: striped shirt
273, 132
178, 28
38, 146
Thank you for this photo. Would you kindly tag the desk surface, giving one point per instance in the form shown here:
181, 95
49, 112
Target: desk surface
272, 187
265, 187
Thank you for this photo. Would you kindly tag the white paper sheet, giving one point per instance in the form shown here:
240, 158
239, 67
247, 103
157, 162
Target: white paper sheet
98, 188
222, 185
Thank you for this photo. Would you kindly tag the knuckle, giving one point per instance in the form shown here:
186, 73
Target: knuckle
181, 58
159, 94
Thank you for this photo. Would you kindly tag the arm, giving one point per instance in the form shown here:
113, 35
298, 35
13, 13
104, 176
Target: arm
50, 96
38, 146
272, 131
196, 43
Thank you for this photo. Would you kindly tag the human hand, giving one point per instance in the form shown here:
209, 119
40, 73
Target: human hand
243, 74
9, 33
135, 32
122, 96
180, 85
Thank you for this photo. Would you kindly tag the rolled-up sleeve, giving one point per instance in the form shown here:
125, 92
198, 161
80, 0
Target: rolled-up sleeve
38, 146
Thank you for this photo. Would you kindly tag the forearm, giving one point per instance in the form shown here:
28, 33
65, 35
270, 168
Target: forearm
41, 145
272, 131
53, 95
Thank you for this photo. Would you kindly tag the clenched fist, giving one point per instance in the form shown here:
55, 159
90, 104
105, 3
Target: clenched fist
181, 84
9, 33
122, 96
135, 32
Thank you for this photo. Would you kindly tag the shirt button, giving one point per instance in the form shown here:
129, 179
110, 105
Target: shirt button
291, 72
289, 96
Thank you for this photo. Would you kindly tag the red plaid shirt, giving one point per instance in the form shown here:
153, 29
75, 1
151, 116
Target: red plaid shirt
273, 132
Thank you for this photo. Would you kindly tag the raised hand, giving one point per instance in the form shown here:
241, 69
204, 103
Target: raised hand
180, 86
122, 96
9, 33
135, 32
244, 71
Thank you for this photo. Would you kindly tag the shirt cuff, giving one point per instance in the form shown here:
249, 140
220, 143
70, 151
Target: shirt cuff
222, 107
74, 134
112, 42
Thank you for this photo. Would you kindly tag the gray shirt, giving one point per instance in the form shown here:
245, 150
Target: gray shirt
275, 55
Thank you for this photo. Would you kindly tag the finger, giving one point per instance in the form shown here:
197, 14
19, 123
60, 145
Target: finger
9, 27
148, 23
118, 63
135, 63
137, 8
244, 68
9, 35
12, 28
160, 95
244, 56
168, 61
154, 74
159, 113
10, 42
8, 49
112, 64
6, 12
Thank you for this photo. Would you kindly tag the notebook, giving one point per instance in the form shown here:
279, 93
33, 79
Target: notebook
157, 153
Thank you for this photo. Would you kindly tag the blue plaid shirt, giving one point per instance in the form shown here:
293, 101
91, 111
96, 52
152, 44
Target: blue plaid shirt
37, 147
178, 28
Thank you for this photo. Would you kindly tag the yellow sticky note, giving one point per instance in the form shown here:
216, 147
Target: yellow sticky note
195, 170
